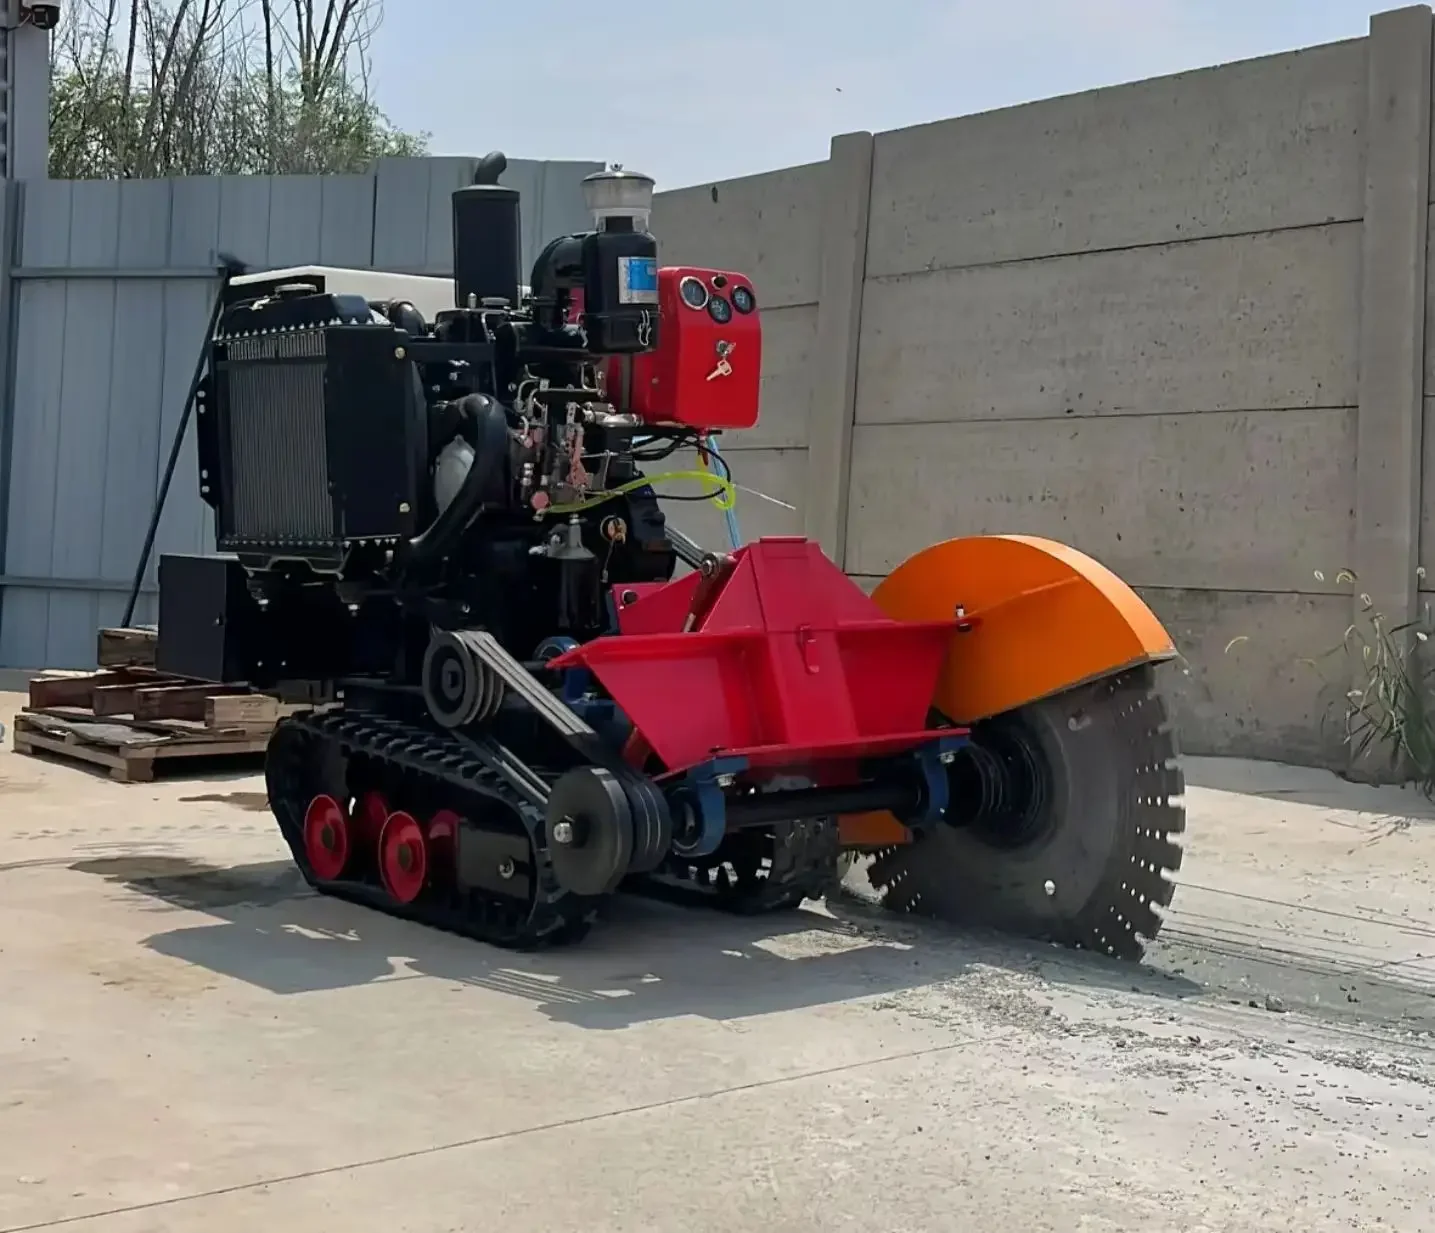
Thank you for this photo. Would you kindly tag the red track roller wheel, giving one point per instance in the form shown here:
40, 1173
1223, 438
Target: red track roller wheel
326, 837
443, 838
403, 857
370, 813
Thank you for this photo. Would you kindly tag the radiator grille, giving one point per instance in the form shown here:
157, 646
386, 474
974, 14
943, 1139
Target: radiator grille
279, 475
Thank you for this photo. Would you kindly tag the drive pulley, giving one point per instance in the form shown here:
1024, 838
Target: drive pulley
602, 825
459, 687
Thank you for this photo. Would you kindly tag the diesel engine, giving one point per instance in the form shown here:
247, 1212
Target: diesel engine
376, 475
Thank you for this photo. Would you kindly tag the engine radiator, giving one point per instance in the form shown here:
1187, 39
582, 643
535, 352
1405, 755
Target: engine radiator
317, 445
279, 484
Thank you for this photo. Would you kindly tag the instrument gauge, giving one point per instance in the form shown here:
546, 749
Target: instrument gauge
742, 299
694, 294
719, 310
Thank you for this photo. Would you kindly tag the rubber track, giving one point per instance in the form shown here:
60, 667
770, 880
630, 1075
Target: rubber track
554, 917
803, 861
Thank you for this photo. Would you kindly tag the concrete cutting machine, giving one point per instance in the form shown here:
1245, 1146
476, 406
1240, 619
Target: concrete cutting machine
521, 690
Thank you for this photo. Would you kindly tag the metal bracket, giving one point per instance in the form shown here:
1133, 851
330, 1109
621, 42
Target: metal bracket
932, 760
702, 792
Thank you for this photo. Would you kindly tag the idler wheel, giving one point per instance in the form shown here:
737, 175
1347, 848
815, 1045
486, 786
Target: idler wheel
589, 829
326, 837
403, 857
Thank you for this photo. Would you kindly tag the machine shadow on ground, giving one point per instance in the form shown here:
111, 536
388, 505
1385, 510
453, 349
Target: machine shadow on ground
644, 960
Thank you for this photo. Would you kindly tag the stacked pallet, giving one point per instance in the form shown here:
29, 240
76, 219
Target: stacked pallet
128, 715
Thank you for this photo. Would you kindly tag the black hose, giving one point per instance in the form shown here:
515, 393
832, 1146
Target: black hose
490, 442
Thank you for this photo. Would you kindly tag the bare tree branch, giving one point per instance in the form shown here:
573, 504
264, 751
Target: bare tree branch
271, 84
122, 142
341, 41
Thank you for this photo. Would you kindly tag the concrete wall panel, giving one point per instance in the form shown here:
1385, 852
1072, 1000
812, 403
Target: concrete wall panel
1266, 143
1231, 324
1243, 501
789, 336
1246, 686
767, 227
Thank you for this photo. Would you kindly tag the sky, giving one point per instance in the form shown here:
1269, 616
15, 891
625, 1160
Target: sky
695, 90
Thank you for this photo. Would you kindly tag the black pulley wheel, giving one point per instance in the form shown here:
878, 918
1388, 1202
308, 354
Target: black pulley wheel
1062, 825
450, 681
652, 824
589, 831
458, 686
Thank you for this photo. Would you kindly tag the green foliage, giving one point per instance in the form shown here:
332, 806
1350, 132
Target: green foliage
98, 133
148, 89
1387, 689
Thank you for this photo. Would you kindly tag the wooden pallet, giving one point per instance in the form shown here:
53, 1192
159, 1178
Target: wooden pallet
126, 719
145, 695
128, 753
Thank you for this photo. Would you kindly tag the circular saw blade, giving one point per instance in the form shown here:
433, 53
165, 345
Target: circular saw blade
1103, 865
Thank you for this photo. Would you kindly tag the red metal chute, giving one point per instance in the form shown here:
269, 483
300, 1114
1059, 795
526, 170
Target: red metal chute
783, 661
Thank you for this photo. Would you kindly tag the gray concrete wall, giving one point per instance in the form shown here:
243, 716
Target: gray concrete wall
1129, 320
1178, 324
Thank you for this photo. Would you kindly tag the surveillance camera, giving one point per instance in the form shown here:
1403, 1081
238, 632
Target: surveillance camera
41, 16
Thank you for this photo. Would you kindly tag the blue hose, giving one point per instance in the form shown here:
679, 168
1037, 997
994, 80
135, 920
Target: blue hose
729, 515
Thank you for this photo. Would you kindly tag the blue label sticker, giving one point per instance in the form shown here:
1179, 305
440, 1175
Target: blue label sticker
637, 280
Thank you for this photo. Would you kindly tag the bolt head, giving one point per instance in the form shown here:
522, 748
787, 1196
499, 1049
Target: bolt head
563, 832
505, 869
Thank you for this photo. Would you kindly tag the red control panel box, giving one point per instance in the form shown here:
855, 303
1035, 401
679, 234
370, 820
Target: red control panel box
706, 370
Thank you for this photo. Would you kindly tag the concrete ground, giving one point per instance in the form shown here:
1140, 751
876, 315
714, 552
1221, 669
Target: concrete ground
189, 1040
